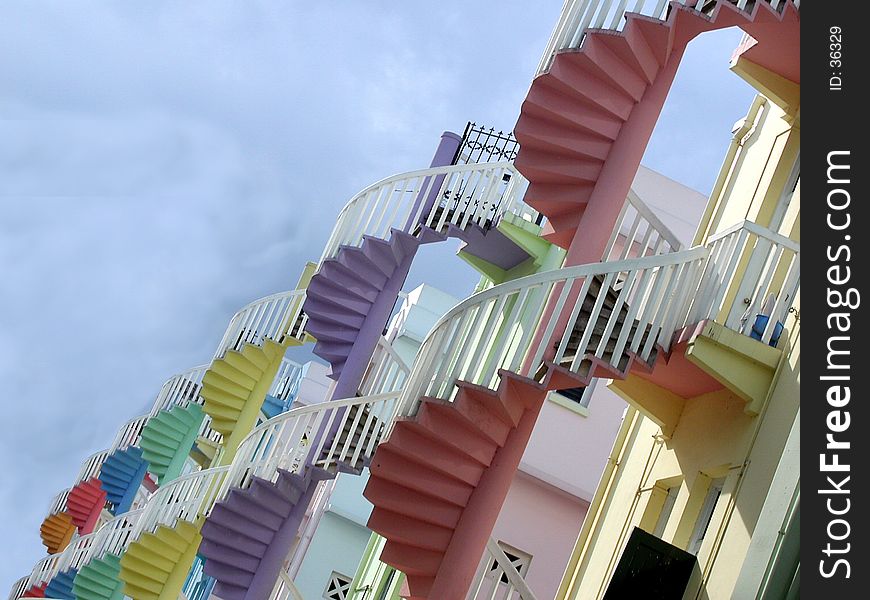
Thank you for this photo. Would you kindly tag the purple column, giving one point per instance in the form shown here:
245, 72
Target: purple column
447, 148
358, 359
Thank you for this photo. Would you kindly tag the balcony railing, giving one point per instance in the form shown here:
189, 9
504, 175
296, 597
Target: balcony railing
18, 588
91, 466
386, 372
271, 318
457, 195
129, 434
497, 577
768, 265
639, 232
183, 499
579, 15
649, 299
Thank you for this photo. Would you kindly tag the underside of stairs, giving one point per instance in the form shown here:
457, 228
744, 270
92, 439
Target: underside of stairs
341, 294
35, 591
248, 534
439, 482
156, 565
100, 580
235, 386
121, 476
85, 503
56, 532
61, 585
167, 439
445, 472
573, 115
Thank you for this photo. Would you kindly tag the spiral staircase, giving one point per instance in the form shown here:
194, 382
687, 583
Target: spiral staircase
601, 85
444, 440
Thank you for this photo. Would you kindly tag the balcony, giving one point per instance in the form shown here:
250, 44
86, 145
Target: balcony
739, 323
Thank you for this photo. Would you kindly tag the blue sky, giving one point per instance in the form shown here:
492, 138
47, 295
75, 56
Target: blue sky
162, 164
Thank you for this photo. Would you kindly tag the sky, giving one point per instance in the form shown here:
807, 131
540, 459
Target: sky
163, 163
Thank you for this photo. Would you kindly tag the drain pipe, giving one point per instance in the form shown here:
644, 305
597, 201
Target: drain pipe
598, 507
318, 507
738, 138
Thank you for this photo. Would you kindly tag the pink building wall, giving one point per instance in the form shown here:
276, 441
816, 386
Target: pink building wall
570, 444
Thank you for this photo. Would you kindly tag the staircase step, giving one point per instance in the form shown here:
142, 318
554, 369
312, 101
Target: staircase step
388, 463
502, 408
328, 296
380, 252
597, 94
410, 560
225, 591
228, 519
546, 136
419, 586
558, 169
366, 279
341, 289
230, 372
241, 362
407, 530
355, 260
597, 59
246, 507
230, 556
229, 573
412, 503
551, 105
221, 536
633, 49
435, 455
220, 381
449, 427
325, 331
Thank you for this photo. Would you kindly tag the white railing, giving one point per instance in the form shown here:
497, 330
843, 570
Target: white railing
180, 390
769, 267
286, 382
497, 577
651, 298
491, 330
386, 372
58, 503
639, 232
114, 536
272, 317
312, 435
184, 499
579, 15
129, 434
91, 467
462, 194
18, 588
285, 589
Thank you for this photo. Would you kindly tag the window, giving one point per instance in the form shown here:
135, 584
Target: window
666, 510
338, 587
519, 559
580, 395
706, 514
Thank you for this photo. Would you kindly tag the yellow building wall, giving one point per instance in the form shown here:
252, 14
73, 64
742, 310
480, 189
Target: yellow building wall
714, 436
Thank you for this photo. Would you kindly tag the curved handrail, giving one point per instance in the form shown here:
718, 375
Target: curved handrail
477, 193
18, 588
180, 390
273, 317
285, 588
493, 329
579, 15
286, 380
386, 372
312, 435
91, 466
497, 573
185, 498
129, 434
113, 536
58, 503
